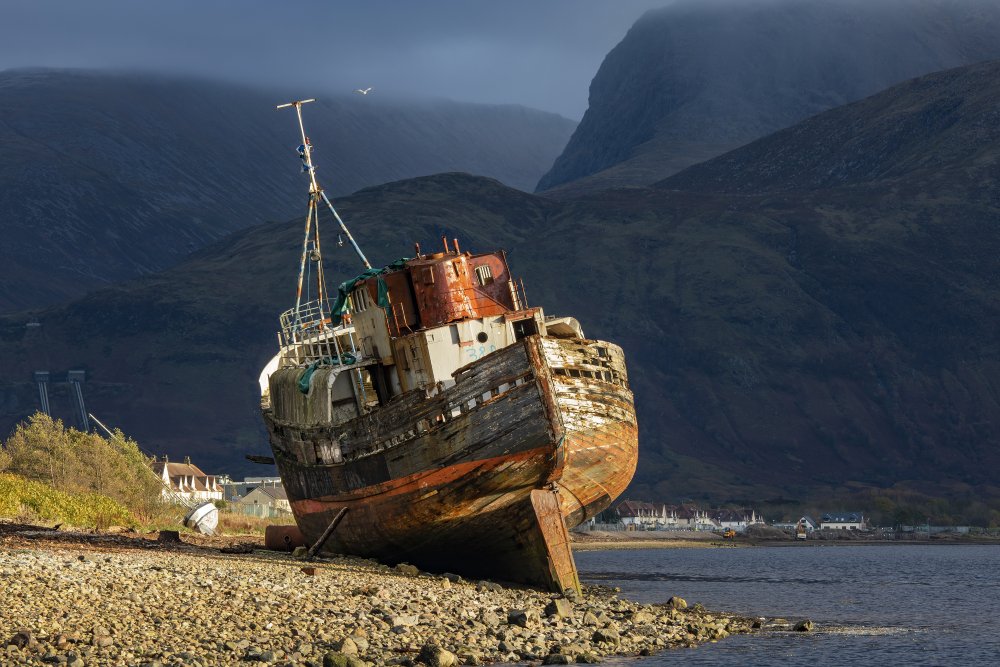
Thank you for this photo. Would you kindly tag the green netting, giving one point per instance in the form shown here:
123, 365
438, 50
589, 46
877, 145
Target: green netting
345, 358
345, 288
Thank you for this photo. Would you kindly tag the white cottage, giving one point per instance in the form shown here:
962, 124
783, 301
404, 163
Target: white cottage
844, 521
187, 481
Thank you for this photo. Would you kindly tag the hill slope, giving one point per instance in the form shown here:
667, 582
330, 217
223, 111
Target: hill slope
697, 78
919, 129
110, 176
791, 342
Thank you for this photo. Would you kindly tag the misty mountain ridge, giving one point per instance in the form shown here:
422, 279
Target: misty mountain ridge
920, 128
780, 340
107, 176
695, 79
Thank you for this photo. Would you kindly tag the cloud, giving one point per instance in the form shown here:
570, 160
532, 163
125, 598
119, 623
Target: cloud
539, 54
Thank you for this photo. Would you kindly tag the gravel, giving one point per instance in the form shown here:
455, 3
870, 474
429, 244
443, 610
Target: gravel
70, 606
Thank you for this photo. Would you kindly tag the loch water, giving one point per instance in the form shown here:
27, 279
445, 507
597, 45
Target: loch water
910, 605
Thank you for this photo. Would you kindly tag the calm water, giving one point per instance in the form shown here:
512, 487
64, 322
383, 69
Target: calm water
874, 605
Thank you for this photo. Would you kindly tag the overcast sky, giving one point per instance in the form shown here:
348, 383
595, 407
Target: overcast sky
539, 53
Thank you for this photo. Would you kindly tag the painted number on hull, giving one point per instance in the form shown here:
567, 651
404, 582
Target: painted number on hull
480, 352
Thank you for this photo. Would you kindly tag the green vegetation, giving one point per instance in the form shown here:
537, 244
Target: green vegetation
61, 474
28, 500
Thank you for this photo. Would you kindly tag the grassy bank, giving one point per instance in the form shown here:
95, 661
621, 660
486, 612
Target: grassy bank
26, 500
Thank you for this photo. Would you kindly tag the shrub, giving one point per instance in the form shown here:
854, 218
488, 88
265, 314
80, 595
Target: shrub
45, 451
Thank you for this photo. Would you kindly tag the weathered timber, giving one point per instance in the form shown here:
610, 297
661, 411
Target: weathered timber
321, 542
448, 482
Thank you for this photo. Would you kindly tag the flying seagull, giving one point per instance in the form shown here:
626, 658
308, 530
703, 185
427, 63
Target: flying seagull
363, 91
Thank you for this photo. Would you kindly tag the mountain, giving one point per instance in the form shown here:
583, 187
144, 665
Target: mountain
800, 336
918, 132
109, 176
697, 78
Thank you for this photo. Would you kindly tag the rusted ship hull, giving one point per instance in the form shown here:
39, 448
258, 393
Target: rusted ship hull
482, 478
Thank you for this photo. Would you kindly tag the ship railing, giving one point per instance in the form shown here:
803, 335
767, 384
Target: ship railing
304, 320
307, 336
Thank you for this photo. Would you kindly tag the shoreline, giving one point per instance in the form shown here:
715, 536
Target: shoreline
125, 598
601, 543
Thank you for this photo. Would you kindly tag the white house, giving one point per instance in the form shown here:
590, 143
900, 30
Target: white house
265, 501
236, 490
187, 480
844, 521
808, 524
738, 520
691, 517
636, 515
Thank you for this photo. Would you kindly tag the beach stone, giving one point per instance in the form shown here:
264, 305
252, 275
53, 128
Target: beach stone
404, 620
559, 608
433, 655
676, 602
490, 618
20, 639
522, 617
346, 646
588, 658
607, 636
557, 659
642, 617
804, 625
300, 552
590, 618
469, 655
407, 569
334, 659
488, 586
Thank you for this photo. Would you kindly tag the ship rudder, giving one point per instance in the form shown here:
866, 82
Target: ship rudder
553, 539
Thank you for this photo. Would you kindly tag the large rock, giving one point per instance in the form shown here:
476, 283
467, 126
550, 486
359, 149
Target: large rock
433, 655
607, 636
346, 646
559, 608
334, 659
522, 617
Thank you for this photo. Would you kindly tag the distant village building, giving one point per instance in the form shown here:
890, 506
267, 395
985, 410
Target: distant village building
807, 523
187, 480
636, 515
737, 520
844, 521
265, 501
691, 517
237, 490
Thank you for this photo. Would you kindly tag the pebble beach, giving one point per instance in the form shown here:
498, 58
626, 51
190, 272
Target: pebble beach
121, 601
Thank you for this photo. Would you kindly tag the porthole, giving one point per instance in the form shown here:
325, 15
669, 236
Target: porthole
482, 337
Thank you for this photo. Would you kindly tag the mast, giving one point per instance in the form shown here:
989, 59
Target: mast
312, 217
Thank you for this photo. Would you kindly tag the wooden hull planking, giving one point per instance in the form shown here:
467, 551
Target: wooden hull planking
481, 479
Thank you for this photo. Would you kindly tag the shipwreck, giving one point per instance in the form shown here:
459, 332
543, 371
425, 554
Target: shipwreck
424, 412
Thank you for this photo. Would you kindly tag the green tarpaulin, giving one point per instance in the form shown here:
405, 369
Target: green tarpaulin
345, 358
345, 288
